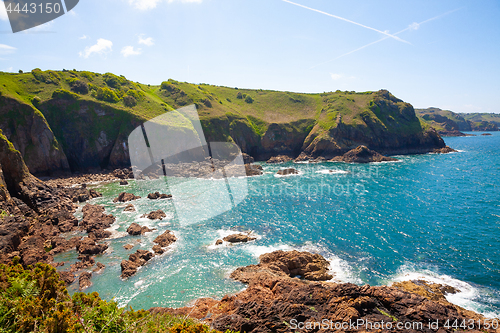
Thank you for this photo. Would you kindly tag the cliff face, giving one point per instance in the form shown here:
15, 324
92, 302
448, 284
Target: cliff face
448, 122
387, 125
29, 132
89, 127
92, 135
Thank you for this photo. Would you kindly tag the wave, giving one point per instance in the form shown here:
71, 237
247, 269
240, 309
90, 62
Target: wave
468, 296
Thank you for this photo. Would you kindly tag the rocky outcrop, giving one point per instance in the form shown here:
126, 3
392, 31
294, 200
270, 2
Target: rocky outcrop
444, 150
274, 301
88, 246
362, 154
312, 267
94, 218
139, 258
279, 159
84, 280
165, 239
238, 238
134, 229
124, 197
155, 215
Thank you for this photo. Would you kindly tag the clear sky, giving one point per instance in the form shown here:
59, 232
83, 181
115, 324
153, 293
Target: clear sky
429, 53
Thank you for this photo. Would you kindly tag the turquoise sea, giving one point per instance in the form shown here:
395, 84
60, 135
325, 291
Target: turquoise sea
429, 216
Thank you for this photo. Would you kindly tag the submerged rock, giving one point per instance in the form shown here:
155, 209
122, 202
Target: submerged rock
123, 182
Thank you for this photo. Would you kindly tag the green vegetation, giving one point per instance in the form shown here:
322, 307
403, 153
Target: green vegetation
35, 300
106, 94
388, 315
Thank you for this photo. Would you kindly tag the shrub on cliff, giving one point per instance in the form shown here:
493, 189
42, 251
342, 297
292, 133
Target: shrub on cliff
249, 99
106, 94
239, 95
64, 94
80, 87
34, 299
113, 80
46, 76
129, 101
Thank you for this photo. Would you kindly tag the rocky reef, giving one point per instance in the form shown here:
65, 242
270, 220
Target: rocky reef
288, 290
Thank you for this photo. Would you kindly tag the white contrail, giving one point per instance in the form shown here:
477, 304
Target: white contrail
346, 20
384, 38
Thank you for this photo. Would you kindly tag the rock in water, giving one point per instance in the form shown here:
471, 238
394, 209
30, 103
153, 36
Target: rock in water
307, 265
90, 247
128, 246
123, 182
279, 159
238, 238
158, 195
84, 280
135, 260
134, 229
362, 154
218, 242
95, 219
129, 208
253, 170
444, 150
165, 239
287, 171
156, 215
124, 197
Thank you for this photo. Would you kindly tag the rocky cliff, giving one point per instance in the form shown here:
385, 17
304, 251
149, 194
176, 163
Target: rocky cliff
77, 121
29, 132
449, 123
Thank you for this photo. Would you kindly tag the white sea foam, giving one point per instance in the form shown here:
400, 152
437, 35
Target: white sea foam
466, 297
332, 172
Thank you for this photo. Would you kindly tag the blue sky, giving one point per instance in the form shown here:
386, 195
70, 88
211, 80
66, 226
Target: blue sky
429, 53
